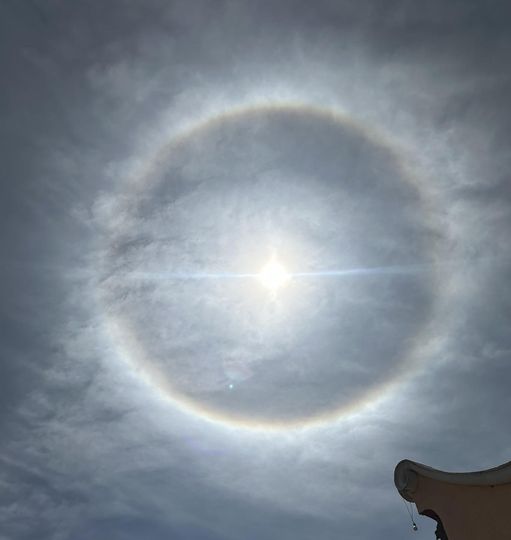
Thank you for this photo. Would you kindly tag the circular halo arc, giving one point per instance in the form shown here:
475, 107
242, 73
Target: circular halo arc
131, 351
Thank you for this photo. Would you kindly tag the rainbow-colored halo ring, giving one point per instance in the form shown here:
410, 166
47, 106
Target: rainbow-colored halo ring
132, 350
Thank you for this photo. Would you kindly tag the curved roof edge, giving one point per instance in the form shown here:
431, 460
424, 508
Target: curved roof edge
407, 472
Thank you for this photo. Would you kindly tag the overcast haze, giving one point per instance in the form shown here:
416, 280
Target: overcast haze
155, 156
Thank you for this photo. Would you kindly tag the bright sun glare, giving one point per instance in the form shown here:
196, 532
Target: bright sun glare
273, 275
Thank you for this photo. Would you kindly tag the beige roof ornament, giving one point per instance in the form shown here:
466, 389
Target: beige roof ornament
466, 506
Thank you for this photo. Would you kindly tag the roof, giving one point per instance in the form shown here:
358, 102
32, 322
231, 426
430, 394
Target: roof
407, 473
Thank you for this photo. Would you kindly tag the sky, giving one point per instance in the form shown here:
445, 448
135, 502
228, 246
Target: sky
155, 157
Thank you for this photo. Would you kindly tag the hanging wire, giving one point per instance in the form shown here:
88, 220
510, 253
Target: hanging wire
410, 513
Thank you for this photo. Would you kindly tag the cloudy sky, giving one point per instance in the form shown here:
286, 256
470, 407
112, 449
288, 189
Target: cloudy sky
155, 157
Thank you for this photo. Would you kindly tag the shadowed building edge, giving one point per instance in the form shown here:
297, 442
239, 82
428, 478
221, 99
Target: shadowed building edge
466, 506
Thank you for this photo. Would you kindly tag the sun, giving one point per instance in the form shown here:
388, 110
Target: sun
273, 275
